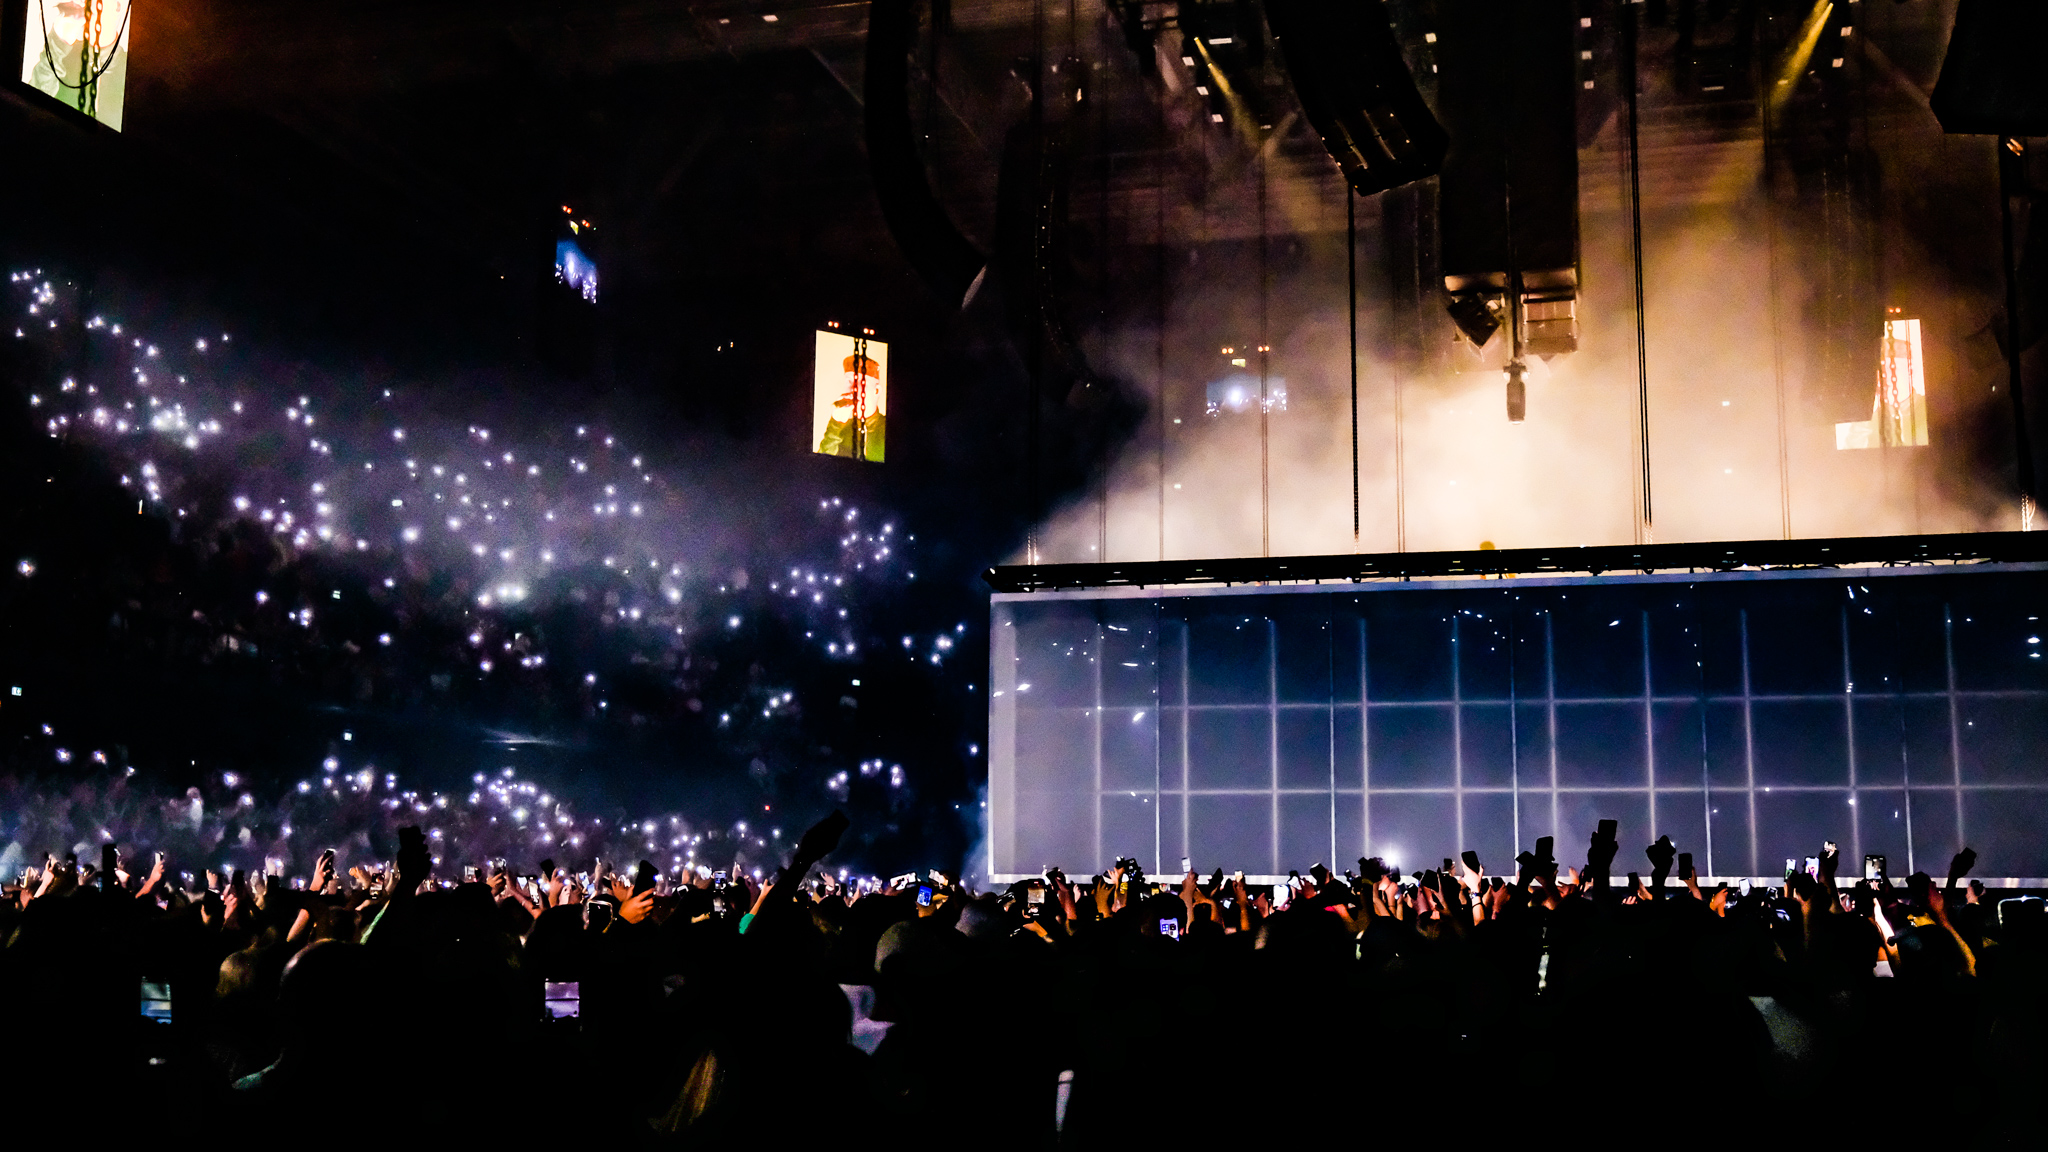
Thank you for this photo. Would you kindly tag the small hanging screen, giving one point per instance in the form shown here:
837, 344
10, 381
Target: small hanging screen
850, 400
76, 51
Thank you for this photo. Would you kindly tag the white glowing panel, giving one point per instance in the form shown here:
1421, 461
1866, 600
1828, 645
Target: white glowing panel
1271, 728
850, 396
77, 52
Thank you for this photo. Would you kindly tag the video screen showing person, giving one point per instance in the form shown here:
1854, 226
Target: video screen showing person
850, 397
76, 52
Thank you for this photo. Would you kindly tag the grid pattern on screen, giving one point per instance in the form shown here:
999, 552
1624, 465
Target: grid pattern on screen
1750, 718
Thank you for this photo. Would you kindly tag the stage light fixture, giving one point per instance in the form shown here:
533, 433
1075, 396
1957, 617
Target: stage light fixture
1518, 391
1477, 315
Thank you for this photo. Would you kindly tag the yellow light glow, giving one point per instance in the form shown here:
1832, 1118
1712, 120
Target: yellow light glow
1794, 66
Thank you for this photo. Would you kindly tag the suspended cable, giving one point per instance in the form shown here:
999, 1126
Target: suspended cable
1265, 399
1645, 532
1764, 117
1035, 363
1159, 302
1101, 254
1351, 272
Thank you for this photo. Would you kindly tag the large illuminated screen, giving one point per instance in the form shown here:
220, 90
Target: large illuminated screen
77, 52
850, 396
1899, 712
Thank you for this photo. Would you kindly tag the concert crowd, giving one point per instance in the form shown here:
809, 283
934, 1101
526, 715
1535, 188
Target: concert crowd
417, 1004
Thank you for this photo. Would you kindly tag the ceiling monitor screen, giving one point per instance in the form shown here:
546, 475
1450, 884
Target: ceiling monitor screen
850, 401
576, 269
76, 51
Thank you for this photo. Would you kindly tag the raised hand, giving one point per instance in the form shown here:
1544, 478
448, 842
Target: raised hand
1661, 854
414, 863
323, 870
1600, 852
1961, 865
821, 838
1497, 900
1473, 879
634, 908
1937, 905
1830, 863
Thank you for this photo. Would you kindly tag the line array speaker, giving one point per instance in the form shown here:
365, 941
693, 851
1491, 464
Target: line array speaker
1355, 89
946, 260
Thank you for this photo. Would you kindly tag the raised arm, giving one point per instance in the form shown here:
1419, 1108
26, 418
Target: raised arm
1937, 905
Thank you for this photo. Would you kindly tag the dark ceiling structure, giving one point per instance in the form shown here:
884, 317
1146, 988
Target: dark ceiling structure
346, 171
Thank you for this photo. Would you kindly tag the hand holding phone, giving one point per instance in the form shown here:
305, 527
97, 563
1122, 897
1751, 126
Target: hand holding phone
414, 863
1661, 854
1961, 865
1600, 853
821, 838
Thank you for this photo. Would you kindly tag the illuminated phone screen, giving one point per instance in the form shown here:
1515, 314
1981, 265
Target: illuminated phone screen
156, 1001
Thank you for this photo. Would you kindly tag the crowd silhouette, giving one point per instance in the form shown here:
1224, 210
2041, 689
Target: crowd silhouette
399, 1003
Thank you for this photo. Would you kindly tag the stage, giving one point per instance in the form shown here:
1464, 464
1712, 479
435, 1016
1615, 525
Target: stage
1750, 700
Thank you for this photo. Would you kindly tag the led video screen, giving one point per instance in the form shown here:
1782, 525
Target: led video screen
850, 396
1898, 413
76, 51
1750, 717
577, 270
